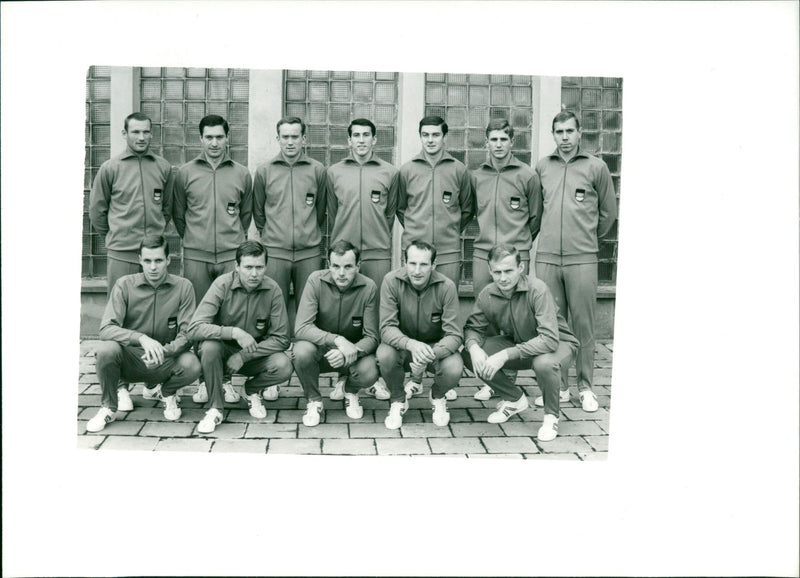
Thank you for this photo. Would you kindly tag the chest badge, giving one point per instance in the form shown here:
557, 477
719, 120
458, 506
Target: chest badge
436, 317
157, 195
172, 323
231, 209
261, 324
447, 196
358, 322
515, 203
309, 198
580, 194
375, 196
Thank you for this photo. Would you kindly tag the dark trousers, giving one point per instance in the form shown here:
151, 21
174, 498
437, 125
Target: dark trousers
117, 269
202, 274
284, 272
309, 362
393, 364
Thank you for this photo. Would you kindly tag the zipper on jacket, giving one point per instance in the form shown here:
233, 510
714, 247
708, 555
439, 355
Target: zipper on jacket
144, 195
433, 205
247, 308
360, 207
496, 188
339, 315
419, 332
155, 295
214, 188
292, 201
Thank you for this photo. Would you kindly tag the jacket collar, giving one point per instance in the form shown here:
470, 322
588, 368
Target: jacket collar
514, 162
445, 157
280, 160
201, 158
237, 283
436, 277
358, 280
522, 287
129, 153
580, 153
350, 159
140, 279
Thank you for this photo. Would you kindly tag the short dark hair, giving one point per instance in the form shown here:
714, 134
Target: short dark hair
291, 120
500, 124
342, 247
137, 116
360, 122
250, 249
502, 251
422, 246
154, 242
433, 121
564, 116
213, 120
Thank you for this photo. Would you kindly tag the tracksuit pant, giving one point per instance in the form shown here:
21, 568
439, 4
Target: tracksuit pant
116, 269
202, 274
309, 362
393, 364
284, 272
376, 270
452, 271
481, 276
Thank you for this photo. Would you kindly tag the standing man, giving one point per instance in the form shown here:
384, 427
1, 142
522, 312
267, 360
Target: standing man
143, 335
527, 332
289, 209
337, 329
213, 206
436, 201
131, 198
419, 329
242, 327
504, 189
578, 206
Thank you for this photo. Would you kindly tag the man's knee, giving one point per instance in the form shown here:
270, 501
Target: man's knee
190, 365
210, 350
365, 370
451, 367
496, 343
386, 357
305, 353
547, 362
280, 366
108, 352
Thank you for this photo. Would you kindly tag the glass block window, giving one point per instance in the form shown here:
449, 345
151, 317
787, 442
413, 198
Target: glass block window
598, 103
468, 102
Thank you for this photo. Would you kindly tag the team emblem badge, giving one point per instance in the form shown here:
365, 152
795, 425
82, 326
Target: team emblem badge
515, 203
376, 196
436, 317
157, 195
309, 198
172, 323
261, 324
447, 196
580, 194
358, 322
231, 209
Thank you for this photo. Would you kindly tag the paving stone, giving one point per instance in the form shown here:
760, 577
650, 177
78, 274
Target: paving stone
290, 416
243, 416
424, 430
91, 442
359, 447
464, 402
516, 428
411, 416
305, 446
565, 444
323, 430
578, 414
244, 446
599, 443
578, 428
408, 446
373, 403
130, 443
603, 425
92, 388
88, 413
184, 445
509, 445
167, 429
480, 414
471, 382
89, 400
339, 416
115, 428
278, 430
568, 457
456, 415
422, 403
282, 403
516, 456
88, 378
461, 430
372, 430
456, 446
594, 456
226, 430
89, 346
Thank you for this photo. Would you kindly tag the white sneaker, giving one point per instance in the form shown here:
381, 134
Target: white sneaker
352, 407
395, 418
99, 421
172, 411
271, 393
313, 413
563, 397
257, 409
378, 390
412, 388
152, 392
451, 395
441, 416
338, 390
588, 400
549, 429
201, 395
211, 420
124, 401
505, 409
484, 394
231, 395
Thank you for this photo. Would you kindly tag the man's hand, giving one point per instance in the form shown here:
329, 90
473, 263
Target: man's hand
479, 358
335, 358
235, 362
417, 369
245, 340
493, 364
153, 351
420, 352
349, 350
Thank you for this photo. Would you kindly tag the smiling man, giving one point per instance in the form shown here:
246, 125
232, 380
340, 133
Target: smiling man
143, 333
242, 328
337, 330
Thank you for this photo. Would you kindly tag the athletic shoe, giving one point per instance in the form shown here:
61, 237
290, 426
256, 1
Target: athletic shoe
451, 395
395, 418
231, 395
505, 409
313, 413
271, 393
211, 420
152, 392
412, 388
441, 416
484, 394
378, 390
99, 421
172, 411
549, 429
257, 409
588, 400
201, 395
352, 407
338, 389
124, 401
563, 397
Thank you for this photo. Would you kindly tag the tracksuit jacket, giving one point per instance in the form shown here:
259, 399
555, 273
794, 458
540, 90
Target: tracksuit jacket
325, 312
362, 202
576, 206
430, 315
435, 204
260, 312
289, 207
505, 206
213, 208
163, 313
530, 318
131, 197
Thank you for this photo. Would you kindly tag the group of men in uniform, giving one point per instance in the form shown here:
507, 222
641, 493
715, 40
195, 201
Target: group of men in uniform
357, 318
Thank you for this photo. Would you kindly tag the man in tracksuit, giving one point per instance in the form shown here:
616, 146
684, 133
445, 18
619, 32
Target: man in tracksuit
436, 201
419, 329
337, 329
213, 206
131, 198
576, 206
289, 209
143, 333
504, 191
241, 325
514, 325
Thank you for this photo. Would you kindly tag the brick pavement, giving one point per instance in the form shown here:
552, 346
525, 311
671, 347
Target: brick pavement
582, 436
